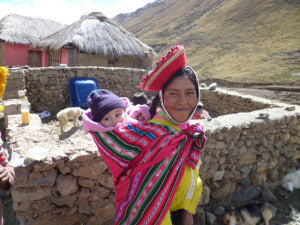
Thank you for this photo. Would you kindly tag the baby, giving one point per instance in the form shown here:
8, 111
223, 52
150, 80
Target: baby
107, 110
201, 113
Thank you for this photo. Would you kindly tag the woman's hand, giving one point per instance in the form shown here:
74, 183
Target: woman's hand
186, 218
140, 117
4, 176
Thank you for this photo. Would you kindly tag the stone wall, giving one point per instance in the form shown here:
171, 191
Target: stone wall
59, 182
222, 102
48, 88
244, 150
64, 180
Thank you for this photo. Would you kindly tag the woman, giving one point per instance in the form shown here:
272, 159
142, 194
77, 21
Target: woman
154, 164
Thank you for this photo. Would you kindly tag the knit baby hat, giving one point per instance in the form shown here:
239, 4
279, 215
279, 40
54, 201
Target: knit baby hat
102, 101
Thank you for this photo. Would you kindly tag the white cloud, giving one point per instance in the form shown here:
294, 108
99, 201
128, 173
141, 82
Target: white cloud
67, 11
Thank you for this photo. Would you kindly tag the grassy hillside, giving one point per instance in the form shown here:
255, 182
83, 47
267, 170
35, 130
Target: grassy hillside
248, 41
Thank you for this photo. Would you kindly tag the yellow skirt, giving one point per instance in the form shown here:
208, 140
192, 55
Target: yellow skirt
187, 195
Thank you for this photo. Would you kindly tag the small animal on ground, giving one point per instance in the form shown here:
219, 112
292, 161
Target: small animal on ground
69, 113
250, 214
291, 181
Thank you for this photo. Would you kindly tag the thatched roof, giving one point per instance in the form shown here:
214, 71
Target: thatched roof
96, 34
18, 29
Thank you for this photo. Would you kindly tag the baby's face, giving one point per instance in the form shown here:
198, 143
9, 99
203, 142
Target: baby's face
114, 117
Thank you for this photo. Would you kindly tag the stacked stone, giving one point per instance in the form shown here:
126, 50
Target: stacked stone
67, 182
48, 87
56, 182
220, 102
245, 155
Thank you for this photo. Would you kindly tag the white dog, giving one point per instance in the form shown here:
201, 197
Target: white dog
291, 181
69, 113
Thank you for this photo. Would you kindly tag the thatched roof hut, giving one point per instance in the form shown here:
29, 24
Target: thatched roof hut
17, 33
97, 35
16, 29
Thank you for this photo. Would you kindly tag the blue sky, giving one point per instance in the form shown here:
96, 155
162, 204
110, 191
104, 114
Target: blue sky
68, 11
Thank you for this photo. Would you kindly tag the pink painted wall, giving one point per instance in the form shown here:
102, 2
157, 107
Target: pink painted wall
64, 57
15, 54
44, 58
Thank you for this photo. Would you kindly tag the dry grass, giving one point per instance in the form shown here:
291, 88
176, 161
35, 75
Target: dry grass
237, 40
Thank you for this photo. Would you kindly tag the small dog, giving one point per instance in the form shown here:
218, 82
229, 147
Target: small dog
69, 113
249, 214
291, 181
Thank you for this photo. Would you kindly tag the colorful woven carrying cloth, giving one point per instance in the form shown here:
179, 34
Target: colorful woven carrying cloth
3, 155
173, 61
148, 161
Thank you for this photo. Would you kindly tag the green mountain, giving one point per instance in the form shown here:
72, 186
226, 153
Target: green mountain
246, 41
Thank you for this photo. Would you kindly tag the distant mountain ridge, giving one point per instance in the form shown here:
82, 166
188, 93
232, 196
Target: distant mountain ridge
248, 41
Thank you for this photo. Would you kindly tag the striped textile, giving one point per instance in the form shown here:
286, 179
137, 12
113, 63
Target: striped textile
147, 161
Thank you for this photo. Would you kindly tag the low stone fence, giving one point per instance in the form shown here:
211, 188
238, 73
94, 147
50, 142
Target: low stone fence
62, 179
58, 181
244, 150
221, 102
48, 88
67, 182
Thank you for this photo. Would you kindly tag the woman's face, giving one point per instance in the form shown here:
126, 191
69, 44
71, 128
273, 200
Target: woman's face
180, 98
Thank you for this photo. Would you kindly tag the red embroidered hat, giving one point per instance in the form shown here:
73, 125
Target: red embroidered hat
173, 61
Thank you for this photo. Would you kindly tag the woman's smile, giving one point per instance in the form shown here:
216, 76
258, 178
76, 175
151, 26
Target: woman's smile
180, 98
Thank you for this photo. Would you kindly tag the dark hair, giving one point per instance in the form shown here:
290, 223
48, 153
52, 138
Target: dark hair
185, 71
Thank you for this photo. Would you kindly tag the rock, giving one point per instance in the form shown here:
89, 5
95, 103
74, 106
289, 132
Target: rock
106, 180
219, 211
37, 153
290, 108
246, 194
66, 184
200, 216
99, 193
91, 171
30, 195
263, 116
104, 208
210, 218
47, 178
267, 196
212, 86
203, 85
86, 182
219, 175
225, 189
205, 195
64, 200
